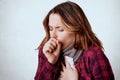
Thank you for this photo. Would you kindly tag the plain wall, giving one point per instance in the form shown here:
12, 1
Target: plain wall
21, 32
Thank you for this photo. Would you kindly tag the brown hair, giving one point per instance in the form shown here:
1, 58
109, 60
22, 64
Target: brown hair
75, 21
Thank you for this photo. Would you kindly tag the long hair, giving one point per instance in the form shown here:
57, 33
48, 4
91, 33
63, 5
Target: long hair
75, 21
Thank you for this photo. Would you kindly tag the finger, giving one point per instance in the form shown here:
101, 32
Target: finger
61, 73
50, 57
53, 39
74, 68
63, 66
47, 54
54, 42
58, 48
59, 45
60, 78
68, 65
50, 45
47, 49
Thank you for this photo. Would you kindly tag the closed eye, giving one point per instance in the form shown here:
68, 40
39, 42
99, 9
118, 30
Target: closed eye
60, 30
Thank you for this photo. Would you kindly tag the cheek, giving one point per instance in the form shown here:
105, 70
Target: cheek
65, 40
61, 39
63, 36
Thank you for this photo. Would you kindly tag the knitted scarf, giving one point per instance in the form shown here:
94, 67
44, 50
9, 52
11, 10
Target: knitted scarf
72, 52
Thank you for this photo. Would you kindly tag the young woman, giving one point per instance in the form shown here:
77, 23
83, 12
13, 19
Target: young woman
68, 33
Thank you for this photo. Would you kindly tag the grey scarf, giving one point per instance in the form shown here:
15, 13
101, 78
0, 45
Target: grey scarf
72, 52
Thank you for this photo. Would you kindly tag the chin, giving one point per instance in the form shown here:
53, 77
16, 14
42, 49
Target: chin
63, 47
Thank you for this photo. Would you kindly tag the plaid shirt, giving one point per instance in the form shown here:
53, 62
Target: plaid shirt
92, 65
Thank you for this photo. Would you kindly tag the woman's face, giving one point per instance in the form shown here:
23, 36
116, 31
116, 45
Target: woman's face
57, 31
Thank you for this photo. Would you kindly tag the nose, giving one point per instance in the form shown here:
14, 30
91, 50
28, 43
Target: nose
53, 34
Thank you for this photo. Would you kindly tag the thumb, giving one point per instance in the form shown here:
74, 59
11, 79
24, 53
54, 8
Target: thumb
74, 68
57, 52
59, 45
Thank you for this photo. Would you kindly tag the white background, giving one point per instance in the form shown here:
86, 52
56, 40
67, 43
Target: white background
21, 31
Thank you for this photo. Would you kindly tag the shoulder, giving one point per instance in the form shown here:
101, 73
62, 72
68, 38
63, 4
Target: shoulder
94, 55
89, 57
93, 52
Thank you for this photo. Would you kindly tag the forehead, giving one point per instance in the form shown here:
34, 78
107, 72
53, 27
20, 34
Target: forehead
55, 20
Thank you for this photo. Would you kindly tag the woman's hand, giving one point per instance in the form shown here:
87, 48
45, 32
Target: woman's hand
52, 50
68, 73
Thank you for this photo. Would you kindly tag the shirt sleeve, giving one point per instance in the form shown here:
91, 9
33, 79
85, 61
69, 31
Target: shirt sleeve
100, 66
45, 70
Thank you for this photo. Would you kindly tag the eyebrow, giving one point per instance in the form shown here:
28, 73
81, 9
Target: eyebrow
56, 26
